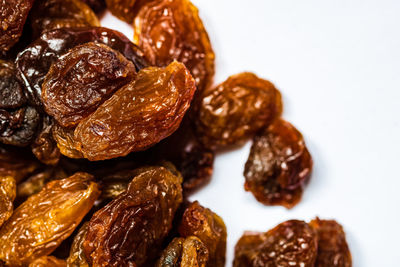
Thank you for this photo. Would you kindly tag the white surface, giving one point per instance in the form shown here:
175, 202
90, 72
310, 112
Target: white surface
337, 64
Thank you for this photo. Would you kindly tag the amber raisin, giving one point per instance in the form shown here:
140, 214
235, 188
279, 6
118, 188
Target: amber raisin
123, 9
77, 256
98, 6
7, 196
47, 261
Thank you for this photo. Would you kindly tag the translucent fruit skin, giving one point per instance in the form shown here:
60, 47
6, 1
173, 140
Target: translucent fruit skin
168, 30
82, 79
45, 219
278, 166
123, 9
236, 110
138, 115
332, 245
47, 261
130, 229
8, 190
209, 228
291, 243
77, 256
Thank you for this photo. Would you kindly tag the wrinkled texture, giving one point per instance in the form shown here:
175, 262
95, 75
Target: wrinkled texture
332, 245
236, 110
11, 91
168, 30
130, 229
64, 137
98, 6
44, 147
77, 256
278, 166
55, 14
122, 9
48, 261
7, 196
184, 252
34, 62
138, 115
45, 219
209, 228
290, 244
13, 14
82, 79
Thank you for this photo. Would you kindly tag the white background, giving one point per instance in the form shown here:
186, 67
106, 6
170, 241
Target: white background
337, 64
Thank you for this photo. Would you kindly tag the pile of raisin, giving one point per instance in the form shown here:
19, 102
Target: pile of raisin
103, 139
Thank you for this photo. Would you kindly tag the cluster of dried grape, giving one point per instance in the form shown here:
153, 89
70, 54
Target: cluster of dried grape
102, 139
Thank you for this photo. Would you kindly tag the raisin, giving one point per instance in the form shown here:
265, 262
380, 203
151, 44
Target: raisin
47, 261
7, 196
98, 6
34, 62
138, 115
11, 91
77, 256
209, 228
291, 243
13, 14
55, 14
123, 9
168, 30
45, 219
278, 166
82, 79
236, 109
332, 246
184, 252
66, 142
130, 229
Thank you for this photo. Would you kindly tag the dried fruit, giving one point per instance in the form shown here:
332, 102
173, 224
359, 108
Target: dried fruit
209, 228
55, 14
123, 9
82, 79
77, 256
291, 243
34, 62
236, 109
168, 30
278, 166
7, 196
332, 246
130, 229
98, 6
47, 261
184, 252
66, 142
138, 115
13, 14
45, 219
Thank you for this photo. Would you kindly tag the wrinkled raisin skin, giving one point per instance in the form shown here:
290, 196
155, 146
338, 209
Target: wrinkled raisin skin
291, 243
47, 261
7, 196
130, 229
168, 30
278, 166
82, 79
236, 110
77, 256
123, 9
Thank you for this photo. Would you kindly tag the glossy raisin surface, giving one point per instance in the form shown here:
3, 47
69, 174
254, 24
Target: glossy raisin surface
45, 219
332, 245
278, 166
77, 256
34, 62
7, 195
123, 9
47, 261
98, 6
13, 14
291, 243
209, 228
138, 115
130, 229
236, 109
168, 30
82, 79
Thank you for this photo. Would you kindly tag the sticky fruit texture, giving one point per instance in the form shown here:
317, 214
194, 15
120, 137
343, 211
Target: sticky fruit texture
122, 9
184, 252
138, 115
169, 30
130, 229
18, 120
34, 62
332, 245
278, 166
64, 137
291, 243
209, 228
47, 261
13, 14
55, 14
7, 196
236, 109
82, 79
77, 256
98, 6
45, 219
